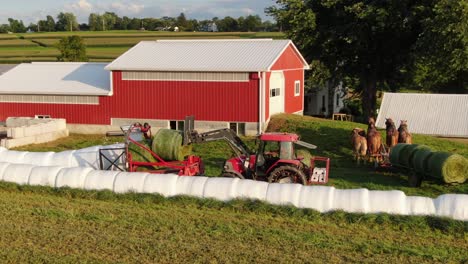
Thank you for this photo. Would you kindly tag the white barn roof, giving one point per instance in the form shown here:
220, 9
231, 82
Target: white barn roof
203, 55
56, 78
431, 114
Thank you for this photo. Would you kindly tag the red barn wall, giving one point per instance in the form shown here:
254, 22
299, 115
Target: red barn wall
173, 100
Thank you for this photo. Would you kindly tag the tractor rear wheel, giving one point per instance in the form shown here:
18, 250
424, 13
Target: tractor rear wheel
287, 174
232, 175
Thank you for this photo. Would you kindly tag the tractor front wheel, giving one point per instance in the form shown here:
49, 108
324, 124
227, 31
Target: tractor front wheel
287, 174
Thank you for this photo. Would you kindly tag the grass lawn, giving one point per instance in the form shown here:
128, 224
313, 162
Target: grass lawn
50, 225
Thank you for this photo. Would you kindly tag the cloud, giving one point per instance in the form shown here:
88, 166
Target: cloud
81, 6
126, 8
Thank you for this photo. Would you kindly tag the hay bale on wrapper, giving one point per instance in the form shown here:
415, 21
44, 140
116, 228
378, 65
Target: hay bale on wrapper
305, 154
451, 168
406, 154
167, 144
396, 152
420, 158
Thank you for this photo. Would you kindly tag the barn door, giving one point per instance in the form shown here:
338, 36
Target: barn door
276, 93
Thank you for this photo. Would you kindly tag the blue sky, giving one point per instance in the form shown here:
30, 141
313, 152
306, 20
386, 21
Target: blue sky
33, 10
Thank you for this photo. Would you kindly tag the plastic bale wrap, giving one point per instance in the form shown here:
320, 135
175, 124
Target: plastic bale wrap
163, 184
420, 158
222, 189
100, 180
395, 153
406, 154
249, 189
452, 205
3, 166
319, 198
38, 158
18, 173
418, 205
352, 201
306, 156
44, 175
129, 182
284, 193
191, 186
72, 177
167, 144
451, 168
392, 202
85, 159
63, 158
12, 156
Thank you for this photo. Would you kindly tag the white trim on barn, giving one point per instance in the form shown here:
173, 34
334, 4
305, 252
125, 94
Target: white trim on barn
431, 114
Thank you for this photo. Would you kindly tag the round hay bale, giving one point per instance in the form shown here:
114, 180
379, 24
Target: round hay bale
305, 154
139, 154
167, 144
420, 159
405, 155
451, 168
395, 153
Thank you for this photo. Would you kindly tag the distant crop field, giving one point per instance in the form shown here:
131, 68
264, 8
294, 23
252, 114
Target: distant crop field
16, 43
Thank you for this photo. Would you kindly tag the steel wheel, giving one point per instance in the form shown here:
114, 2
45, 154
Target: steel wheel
287, 174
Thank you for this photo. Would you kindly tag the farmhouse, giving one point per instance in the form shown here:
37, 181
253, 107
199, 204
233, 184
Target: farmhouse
442, 115
223, 83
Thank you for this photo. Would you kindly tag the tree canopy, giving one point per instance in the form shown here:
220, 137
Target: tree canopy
72, 48
373, 44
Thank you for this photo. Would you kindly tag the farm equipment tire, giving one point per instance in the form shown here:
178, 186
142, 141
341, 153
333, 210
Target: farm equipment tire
287, 174
227, 174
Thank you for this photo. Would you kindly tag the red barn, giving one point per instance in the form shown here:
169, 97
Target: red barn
223, 83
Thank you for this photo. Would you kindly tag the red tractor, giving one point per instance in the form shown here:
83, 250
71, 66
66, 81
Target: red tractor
274, 161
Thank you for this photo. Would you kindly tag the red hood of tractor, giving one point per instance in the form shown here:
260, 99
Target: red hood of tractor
283, 137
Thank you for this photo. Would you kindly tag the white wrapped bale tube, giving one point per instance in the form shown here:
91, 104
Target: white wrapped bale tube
63, 158
223, 189
3, 166
353, 201
417, 205
85, 159
44, 176
452, 205
284, 193
392, 202
12, 156
38, 158
319, 198
100, 180
192, 186
18, 173
163, 184
72, 177
129, 182
249, 189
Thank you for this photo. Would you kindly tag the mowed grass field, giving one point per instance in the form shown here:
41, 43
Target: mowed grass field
101, 46
41, 224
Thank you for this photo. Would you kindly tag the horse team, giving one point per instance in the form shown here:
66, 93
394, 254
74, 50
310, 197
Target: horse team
369, 146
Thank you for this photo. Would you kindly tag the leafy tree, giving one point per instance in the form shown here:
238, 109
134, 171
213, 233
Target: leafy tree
182, 22
95, 22
125, 23
32, 27
66, 22
50, 24
17, 26
72, 48
367, 41
251, 23
228, 24
4, 28
442, 50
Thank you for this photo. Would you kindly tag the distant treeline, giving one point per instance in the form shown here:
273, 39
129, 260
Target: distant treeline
111, 21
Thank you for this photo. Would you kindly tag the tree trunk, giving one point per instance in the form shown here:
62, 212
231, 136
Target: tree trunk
369, 96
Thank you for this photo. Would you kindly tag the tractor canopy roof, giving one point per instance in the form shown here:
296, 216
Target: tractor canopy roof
282, 137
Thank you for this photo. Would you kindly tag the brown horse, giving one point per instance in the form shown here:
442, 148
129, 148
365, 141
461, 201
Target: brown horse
359, 144
404, 135
374, 140
392, 133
